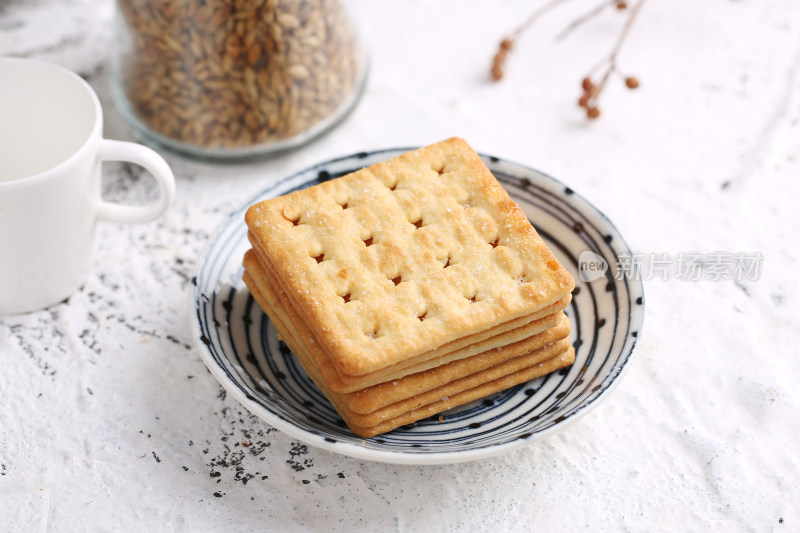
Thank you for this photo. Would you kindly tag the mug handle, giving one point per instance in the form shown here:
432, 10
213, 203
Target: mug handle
141, 155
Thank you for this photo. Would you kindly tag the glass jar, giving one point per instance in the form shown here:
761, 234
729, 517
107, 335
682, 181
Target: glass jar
234, 78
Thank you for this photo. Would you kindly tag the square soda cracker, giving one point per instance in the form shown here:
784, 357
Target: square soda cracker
446, 396
562, 360
283, 303
380, 395
459, 385
395, 259
278, 305
547, 344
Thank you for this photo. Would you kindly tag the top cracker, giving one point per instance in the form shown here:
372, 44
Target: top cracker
396, 259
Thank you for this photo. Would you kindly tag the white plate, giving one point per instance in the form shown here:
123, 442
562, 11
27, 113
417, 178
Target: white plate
239, 345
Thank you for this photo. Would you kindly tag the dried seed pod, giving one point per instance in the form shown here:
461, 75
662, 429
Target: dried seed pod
631, 82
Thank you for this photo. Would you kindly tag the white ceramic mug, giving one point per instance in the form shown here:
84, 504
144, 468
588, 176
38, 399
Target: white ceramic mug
51, 149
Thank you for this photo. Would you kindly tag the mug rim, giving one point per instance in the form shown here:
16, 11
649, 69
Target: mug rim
94, 134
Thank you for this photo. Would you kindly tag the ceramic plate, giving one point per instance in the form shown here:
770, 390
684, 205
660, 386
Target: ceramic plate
240, 347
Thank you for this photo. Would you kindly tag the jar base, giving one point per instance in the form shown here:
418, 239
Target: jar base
244, 153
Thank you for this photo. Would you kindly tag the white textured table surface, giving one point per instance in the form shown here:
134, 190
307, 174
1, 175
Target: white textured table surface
110, 421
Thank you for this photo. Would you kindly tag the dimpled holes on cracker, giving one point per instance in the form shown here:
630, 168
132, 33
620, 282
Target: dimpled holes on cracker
428, 185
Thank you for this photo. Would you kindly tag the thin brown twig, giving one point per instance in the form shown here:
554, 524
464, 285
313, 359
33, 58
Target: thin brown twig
508, 42
626, 29
612, 57
585, 18
533, 17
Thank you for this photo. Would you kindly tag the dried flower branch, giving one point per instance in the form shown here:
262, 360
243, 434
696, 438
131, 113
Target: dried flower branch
591, 90
608, 66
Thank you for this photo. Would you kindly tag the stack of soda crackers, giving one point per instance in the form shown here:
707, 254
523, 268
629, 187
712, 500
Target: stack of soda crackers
409, 287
